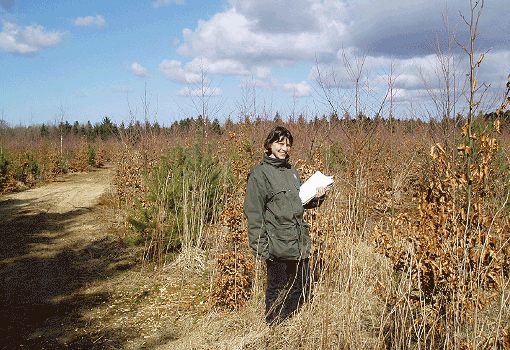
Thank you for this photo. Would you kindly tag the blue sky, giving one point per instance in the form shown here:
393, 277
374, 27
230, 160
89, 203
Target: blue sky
84, 60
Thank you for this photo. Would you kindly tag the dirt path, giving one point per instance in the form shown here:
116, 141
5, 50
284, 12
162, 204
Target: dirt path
54, 245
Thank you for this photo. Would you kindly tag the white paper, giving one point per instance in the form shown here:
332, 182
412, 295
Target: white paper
309, 188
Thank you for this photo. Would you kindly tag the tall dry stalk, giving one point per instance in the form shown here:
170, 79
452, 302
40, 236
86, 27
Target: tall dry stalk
443, 87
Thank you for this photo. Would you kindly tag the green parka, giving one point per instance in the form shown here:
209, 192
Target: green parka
275, 214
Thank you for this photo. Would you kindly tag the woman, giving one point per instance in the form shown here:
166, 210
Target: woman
276, 230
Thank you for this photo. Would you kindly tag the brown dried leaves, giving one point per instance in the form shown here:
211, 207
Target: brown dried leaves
456, 251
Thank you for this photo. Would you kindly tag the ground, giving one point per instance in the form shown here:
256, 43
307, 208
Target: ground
68, 280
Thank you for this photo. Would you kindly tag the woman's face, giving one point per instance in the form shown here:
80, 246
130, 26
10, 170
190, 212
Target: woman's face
280, 149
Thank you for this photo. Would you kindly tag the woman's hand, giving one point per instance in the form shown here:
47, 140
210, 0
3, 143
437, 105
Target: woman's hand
321, 191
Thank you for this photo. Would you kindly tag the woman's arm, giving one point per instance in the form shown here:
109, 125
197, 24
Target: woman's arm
254, 210
316, 202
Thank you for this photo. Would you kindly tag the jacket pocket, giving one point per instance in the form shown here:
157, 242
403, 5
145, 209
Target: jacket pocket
284, 243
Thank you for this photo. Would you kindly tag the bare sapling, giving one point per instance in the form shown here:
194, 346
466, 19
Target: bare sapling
199, 92
442, 88
476, 7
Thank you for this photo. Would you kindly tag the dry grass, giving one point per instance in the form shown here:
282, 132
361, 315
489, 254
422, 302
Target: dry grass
344, 311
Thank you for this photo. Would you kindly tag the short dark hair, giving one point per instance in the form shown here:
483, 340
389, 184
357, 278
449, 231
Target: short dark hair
277, 134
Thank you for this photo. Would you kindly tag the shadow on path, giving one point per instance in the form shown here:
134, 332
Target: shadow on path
43, 266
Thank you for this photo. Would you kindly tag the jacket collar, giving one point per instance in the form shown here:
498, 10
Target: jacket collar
277, 163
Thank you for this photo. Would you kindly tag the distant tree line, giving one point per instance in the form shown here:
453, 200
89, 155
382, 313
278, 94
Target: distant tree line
107, 129
104, 130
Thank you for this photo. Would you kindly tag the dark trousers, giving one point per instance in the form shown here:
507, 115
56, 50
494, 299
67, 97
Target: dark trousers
287, 286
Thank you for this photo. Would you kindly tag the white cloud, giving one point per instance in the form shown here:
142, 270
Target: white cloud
272, 33
173, 71
90, 21
235, 35
28, 39
160, 3
187, 92
138, 70
301, 89
377, 71
417, 96
201, 68
261, 72
408, 81
248, 83
224, 66
496, 64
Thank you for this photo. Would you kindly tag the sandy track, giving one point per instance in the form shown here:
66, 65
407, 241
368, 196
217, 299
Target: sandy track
74, 191
53, 245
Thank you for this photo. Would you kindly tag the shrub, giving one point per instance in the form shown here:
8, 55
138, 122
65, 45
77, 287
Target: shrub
7, 181
236, 269
452, 254
5, 163
183, 196
91, 155
27, 170
81, 159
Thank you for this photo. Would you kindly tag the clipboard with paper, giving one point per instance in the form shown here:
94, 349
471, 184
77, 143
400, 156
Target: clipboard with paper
308, 190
